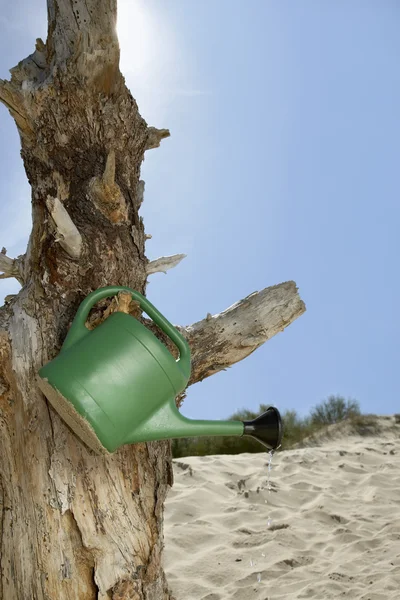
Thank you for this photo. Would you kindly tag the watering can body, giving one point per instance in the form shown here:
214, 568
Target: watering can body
117, 384
116, 377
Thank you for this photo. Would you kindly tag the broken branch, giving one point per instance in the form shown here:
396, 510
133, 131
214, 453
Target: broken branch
11, 267
107, 195
67, 234
221, 340
164, 263
154, 137
12, 99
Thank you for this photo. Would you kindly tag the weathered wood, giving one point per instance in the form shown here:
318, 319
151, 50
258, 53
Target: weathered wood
72, 524
221, 340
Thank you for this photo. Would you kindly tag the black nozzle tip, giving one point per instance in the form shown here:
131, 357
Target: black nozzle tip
267, 428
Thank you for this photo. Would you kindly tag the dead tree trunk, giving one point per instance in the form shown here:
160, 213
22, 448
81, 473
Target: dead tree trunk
72, 524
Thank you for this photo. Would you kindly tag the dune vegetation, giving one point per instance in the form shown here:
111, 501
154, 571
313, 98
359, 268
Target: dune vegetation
297, 430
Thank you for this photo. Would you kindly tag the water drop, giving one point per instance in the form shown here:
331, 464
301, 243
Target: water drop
269, 467
259, 577
251, 563
269, 487
262, 554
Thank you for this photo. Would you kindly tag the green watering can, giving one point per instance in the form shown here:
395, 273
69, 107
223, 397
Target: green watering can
117, 384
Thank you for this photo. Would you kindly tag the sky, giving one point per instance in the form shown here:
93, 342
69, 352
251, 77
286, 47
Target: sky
282, 164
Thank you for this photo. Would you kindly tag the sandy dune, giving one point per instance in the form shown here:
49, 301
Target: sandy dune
334, 530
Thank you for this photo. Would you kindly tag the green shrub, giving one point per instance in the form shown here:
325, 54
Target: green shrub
334, 410
295, 428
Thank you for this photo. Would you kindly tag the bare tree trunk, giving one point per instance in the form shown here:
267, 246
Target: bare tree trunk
72, 524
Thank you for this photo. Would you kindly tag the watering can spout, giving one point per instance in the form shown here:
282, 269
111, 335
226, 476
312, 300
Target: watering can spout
266, 428
169, 423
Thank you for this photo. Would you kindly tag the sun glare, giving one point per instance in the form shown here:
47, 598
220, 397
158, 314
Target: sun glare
141, 37
153, 59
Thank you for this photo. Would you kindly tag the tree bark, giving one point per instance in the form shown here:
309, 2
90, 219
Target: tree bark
73, 524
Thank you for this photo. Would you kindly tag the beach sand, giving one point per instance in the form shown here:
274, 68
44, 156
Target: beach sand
334, 529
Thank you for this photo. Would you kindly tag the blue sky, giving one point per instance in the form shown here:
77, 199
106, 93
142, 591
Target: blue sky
281, 165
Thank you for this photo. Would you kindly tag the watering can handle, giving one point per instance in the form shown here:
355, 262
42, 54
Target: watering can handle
78, 330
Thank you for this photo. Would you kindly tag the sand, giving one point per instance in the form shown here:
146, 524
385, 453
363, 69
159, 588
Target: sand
334, 529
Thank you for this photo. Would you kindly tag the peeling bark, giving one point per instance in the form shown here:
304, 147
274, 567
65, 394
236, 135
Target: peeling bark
74, 524
66, 232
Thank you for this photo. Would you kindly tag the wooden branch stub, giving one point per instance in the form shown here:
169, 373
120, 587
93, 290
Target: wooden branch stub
26, 76
124, 301
67, 234
7, 265
106, 193
109, 171
154, 137
13, 99
9, 298
12, 267
164, 263
221, 340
